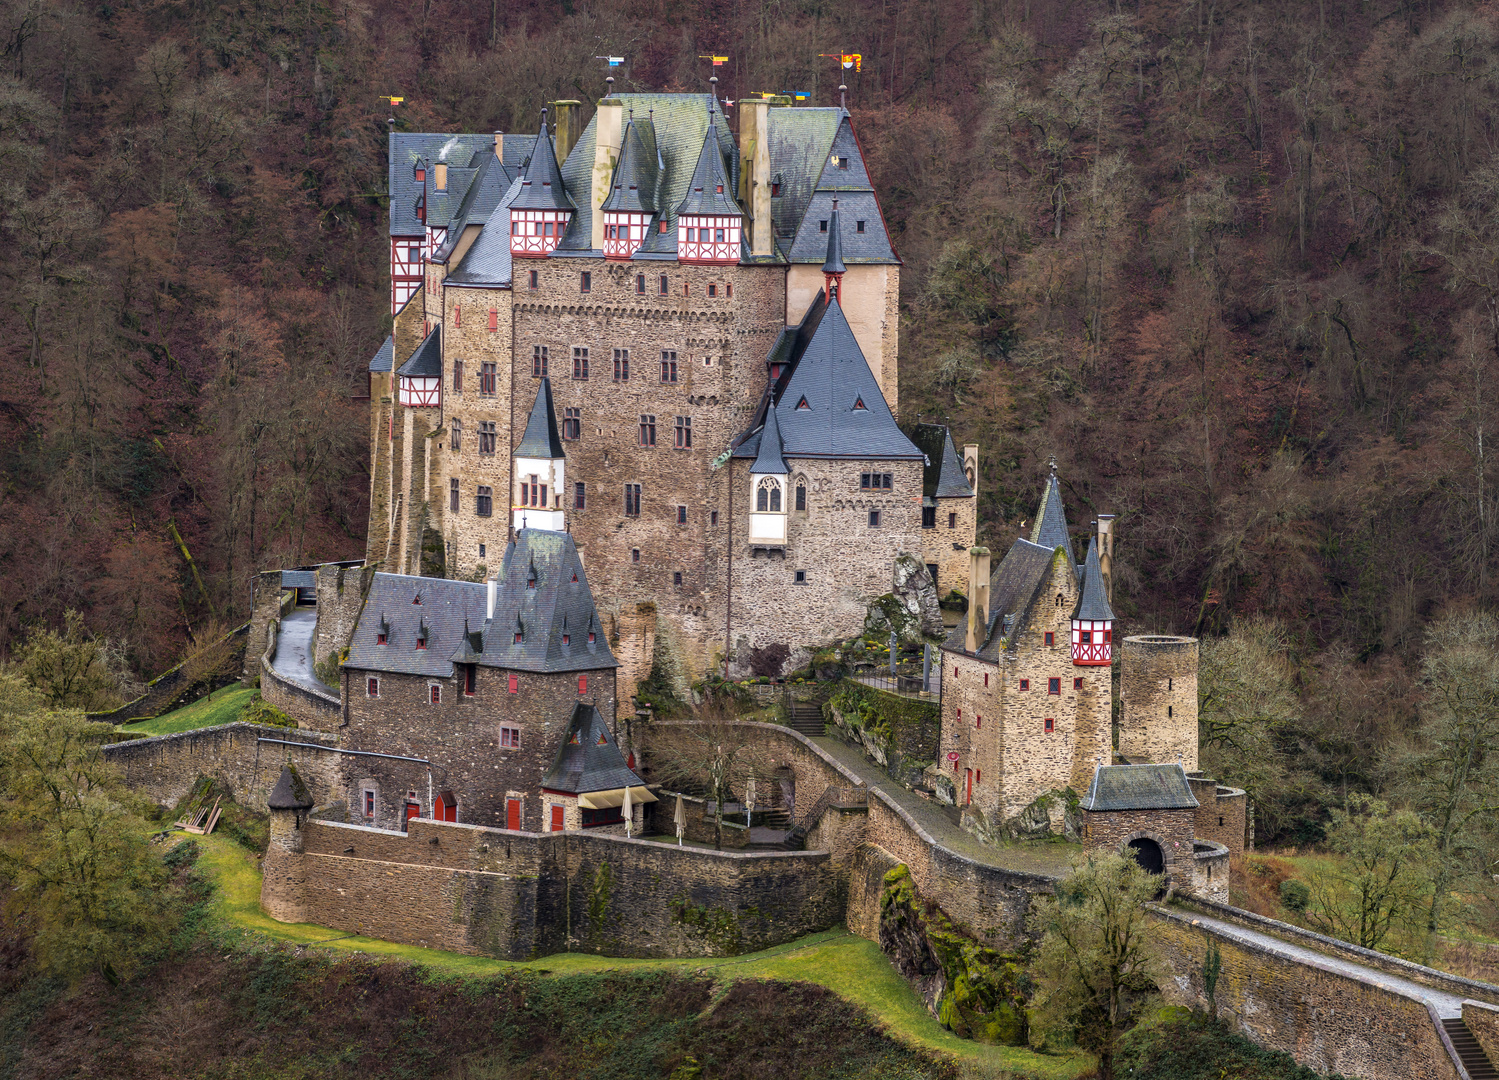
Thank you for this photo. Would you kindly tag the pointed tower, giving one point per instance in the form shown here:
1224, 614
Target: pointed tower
1050, 529
832, 267
541, 212
539, 474
1093, 621
631, 203
709, 221
768, 477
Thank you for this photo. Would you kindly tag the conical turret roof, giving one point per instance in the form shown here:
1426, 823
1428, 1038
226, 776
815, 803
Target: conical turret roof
833, 264
633, 190
710, 189
542, 189
541, 439
769, 459
1050, 529
1093, 603
290, 792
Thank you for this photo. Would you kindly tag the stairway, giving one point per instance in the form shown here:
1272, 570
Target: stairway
805, 717
1468, 1051
776, 818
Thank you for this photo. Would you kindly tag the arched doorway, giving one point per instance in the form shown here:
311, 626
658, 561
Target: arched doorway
1148, 854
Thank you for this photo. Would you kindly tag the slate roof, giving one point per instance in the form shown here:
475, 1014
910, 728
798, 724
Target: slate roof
490, 183
710, 191
406, 149
543, 188
290, 792
384, 358
1050, 528
1014, 587
833, 264
635, 175
856, 201
679, 123
1093, 603
589, 758
541, 439
426, 361
1139, 787
487, 260
799, 142
832, 377
768, 459
943, 477
453, 614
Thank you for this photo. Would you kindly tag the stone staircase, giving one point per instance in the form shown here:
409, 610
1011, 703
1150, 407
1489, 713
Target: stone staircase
805, 717
1468, 1051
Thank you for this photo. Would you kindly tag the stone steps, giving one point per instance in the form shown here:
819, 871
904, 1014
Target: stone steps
805, 717
1468, 1051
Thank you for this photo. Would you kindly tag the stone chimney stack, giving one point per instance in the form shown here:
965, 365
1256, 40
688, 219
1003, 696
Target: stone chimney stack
978, 597
499, 145
754, 174
568, 128
608, 133
1106, 553
489, 600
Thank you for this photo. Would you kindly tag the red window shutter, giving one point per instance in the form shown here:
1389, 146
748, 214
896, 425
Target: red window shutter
582, 684
514, 683
494, 318
557, 812
512, 814
457, 315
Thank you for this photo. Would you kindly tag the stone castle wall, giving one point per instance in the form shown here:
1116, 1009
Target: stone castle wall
1222, 814
946, 546
340, 598
1158, 700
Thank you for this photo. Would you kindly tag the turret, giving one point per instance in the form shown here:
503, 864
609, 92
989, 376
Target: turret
282, 892
709, 221
1093, 621
539, 468
631, 203
541, 212
768, 477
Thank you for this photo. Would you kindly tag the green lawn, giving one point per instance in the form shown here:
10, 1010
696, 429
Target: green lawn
849, 966
220, 707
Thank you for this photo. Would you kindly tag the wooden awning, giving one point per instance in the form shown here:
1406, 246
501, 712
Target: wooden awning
604, 800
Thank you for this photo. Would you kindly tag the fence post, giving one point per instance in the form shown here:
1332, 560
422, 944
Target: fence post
926, 667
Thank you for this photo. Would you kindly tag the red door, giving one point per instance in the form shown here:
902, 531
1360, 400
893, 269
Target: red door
512, 814
968, 779
412, 810
556, 817
446, 807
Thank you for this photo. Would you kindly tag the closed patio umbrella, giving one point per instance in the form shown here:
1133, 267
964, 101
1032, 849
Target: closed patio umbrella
629, 812
679, 818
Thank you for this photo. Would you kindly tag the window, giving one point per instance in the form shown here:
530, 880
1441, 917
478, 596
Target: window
481, 551
457, 443
609, 815
1025, 684
487, 437
681, 515
436, 693
801, 577
875, 481
494, 315
632, 507
1168, 712
580, 497
634, 554
1085, 637
621, 365
538, 361
580, 362
1053, 686
775, 189
572, 424
457, 376
1050, 638
372, 688
874, 519
713, 289
1077, 684
421, 637
640, 284
676, 577
369, 798
510, 736
647, 430
487, 379
768, 496
684, 433
662, 284
534, 278
514, 685
470, 679
952, 521
484, 502
730, 288
532, 494
1051, 725
801, 497
668, 366
978, 722
585, 281
453, 495
859, 405
582, 684
381, 638
928, 517
713, 518
858, 226
822, 226
986, 678
1168, 684
802, 404
843, 161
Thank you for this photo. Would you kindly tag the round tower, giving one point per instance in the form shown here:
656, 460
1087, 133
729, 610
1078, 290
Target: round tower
283, 877
1158, 700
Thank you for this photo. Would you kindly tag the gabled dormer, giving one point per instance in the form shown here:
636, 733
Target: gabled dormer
710, 223
630, 206
420, 377
541, 212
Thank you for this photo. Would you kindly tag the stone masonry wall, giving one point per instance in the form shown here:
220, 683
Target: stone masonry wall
1158, 700
460, 735
311, 709
340, 597
165, 767
1309, 1009
1112, 830
1483, 1022
1221, 813
265, 607
946, 546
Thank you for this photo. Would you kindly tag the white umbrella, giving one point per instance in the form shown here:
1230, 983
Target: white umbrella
629, 809
680, 819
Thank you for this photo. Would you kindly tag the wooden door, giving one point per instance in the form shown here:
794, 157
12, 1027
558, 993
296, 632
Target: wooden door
968, 782
557, 817
412, 810
512, 814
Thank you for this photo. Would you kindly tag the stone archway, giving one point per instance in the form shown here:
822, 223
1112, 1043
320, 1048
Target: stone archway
1148, 853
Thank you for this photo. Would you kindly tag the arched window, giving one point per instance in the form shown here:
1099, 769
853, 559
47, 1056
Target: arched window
768, 496
801, 495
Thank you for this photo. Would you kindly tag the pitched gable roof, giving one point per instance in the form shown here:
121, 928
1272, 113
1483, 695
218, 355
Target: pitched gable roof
1093, 603
398, 606
1014, 588
409, 147
541, 439
1139, 787
487, 261
589, 758
856, 200
542, 593
491, 181
426, 361
799, 142
1050, 528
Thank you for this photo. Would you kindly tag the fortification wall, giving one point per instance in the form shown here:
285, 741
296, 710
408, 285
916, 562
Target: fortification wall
164, 768
1158, 699
311, 708
1483, 1022
340, 596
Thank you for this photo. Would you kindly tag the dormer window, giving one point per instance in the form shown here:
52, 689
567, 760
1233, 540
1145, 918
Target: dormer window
419, 172
802, 404
440, 176
517, 637
421, 642
859, 405
381, 639
590, 637
566, 639
775, 189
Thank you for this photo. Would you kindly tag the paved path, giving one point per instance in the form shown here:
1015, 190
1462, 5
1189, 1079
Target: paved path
294, 648
1446, 1004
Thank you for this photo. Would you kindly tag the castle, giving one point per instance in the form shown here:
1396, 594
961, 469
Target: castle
680, 350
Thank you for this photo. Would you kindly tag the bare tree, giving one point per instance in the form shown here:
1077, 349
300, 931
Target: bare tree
712, 753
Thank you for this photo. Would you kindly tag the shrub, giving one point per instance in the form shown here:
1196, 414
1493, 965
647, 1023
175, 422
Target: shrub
1295, 895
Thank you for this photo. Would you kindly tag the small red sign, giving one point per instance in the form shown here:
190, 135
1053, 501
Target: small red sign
952, 755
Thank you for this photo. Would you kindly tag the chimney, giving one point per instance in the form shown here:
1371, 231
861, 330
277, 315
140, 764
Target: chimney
499, 145
1106, 553
489, 604
608, 132
568, 131
978, 597
754, 174
971, 465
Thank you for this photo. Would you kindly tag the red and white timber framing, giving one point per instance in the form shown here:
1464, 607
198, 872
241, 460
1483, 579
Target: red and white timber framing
405, 269
420, 393
536, 233
624, 233
1092, 642
708, 239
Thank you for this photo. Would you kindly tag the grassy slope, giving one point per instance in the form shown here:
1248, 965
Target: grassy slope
223, 706
850, 966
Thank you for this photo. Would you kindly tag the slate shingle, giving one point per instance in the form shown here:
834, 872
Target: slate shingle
541, 439
1139, 787
589, 758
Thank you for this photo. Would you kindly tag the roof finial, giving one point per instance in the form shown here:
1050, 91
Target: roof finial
843, 97
391, 123
1053, 466
609, 86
